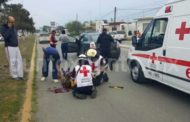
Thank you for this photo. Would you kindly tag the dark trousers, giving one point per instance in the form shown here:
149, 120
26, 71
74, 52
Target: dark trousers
79, 50
83, 90
45, 68
100, 78
53, 45
64, 48
106, 54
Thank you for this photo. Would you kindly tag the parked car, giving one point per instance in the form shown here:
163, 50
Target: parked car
86, 39
1, 38
113, 33
120, 35
43, 38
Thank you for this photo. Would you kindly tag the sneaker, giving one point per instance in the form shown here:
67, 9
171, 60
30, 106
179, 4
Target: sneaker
17, 79
55, 81
43, 78
80, 96
106, 78
94, 93
21, 78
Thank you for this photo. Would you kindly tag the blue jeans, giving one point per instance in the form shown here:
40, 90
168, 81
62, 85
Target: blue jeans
45, 68
64, 48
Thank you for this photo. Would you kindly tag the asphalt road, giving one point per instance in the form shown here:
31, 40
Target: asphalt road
151, 102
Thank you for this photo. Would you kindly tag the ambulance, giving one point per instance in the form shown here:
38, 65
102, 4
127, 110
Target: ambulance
163, 51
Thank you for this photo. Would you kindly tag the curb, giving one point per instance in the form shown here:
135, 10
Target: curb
26, 110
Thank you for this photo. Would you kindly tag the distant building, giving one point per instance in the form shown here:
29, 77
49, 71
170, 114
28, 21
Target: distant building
100, 25
141, 23
129, 27
117, 26
89, 26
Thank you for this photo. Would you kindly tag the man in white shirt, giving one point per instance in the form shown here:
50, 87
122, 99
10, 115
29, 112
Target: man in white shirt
64, 44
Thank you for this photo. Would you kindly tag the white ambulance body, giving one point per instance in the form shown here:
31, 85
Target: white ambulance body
163, 51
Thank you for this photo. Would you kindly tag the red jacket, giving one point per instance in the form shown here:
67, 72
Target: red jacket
52, 40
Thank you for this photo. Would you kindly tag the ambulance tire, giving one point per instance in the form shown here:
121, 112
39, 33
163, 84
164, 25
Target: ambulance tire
137, 74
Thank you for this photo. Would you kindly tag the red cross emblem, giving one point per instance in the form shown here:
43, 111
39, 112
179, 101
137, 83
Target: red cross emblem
93, 66
188, 73
182, 31
84, 71
153, 58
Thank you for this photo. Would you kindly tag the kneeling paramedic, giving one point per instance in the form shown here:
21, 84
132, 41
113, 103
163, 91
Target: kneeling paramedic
50, 54
82, 73
99, 66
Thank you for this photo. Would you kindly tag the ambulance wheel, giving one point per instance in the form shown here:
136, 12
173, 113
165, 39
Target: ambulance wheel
137, 74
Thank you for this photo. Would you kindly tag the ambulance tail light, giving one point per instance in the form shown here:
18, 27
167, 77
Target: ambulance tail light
168, 9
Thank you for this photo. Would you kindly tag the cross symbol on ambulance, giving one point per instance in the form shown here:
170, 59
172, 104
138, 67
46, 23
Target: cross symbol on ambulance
153, 58
182, 31
84, 71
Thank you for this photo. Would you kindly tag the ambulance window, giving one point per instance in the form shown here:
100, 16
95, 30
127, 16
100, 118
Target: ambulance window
153, 36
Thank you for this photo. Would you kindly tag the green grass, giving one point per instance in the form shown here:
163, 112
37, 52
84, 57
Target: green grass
12, 92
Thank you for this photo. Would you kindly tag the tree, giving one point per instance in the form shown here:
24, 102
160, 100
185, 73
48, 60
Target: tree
2, 14
22, 16
3, 2
74, 28
46, 28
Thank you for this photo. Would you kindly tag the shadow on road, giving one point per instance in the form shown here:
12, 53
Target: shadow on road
168, 90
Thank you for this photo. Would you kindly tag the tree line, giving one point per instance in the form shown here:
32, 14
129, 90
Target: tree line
24, 21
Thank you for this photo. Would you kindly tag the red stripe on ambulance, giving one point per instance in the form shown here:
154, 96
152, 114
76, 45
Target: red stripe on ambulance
164, 59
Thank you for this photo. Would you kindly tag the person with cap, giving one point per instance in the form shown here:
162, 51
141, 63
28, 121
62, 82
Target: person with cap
99, 66
82, 73
10, 35
51, 54
52, 40
104, 41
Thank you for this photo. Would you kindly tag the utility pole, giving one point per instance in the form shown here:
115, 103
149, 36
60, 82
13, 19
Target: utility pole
115, 17
77, 27
77, 17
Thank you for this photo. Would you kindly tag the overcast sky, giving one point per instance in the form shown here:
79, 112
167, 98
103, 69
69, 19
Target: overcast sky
62, 11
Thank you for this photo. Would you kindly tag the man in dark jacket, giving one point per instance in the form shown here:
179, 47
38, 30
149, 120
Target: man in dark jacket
135, 38
9, 34
104, 42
